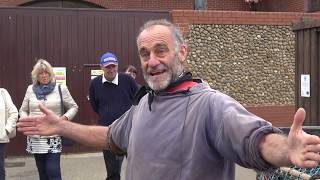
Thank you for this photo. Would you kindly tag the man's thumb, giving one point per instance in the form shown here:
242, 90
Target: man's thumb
44, 109
298, 119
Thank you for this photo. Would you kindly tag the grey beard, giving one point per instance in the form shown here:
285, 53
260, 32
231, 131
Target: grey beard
176, 71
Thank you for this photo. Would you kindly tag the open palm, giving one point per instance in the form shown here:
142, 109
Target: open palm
303, 147
46, 124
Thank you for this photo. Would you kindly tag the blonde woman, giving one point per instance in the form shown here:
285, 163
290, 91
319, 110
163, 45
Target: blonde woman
8, 119
44, 90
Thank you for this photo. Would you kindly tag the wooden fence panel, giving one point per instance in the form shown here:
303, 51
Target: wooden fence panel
68, 38
307, 62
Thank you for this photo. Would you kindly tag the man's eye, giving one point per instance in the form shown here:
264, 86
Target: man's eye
143, 52
144, 55
160, 51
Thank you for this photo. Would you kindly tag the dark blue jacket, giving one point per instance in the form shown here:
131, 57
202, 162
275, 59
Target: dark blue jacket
110, 101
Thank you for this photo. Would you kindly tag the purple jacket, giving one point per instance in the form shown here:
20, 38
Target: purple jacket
198, 135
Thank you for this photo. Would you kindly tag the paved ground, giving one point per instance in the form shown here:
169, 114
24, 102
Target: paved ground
74, 167
80, 167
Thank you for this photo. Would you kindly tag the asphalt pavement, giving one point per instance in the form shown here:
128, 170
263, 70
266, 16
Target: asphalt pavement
89, 166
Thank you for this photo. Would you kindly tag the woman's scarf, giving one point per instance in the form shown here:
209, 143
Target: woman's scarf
41, 90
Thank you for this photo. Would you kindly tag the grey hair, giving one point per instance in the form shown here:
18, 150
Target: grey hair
177, 35
42, 66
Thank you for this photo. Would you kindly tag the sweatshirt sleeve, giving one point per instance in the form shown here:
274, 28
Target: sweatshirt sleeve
238, 132
119, 132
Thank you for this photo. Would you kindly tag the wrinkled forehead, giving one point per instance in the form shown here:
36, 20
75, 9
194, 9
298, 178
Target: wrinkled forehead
155, 35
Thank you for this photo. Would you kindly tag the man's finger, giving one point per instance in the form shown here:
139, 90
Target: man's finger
28, 121
298, 120
31, 133
28, 130
25, 123
309, 164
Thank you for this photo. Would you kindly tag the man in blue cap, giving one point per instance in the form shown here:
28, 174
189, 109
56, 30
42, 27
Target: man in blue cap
111, 95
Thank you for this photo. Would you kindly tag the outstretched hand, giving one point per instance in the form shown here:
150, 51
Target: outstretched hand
303, 148
46, 124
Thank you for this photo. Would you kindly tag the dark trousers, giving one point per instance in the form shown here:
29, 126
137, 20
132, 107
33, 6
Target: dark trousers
48, 166
113, 165
2, 155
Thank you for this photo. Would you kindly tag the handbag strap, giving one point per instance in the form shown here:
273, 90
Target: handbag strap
61, 100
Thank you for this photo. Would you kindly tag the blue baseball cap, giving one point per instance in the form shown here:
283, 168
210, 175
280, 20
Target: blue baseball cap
107, 59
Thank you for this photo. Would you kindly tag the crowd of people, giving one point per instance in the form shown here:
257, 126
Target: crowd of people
175, 127
111, 94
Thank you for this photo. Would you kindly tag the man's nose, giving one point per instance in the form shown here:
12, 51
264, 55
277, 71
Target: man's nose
153, 61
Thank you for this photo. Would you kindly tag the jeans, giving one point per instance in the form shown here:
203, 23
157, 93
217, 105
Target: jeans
48, 166
113, 165
2, 155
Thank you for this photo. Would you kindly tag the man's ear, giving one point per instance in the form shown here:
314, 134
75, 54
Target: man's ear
183, 52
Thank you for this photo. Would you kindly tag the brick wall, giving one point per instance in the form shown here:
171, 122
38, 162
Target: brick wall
185, 17
225, 5
296, 6
125, 4
145, 4
282, 5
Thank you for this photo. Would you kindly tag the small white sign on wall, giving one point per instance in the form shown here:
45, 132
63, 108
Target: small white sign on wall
95, 73
305, 85
60, 74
